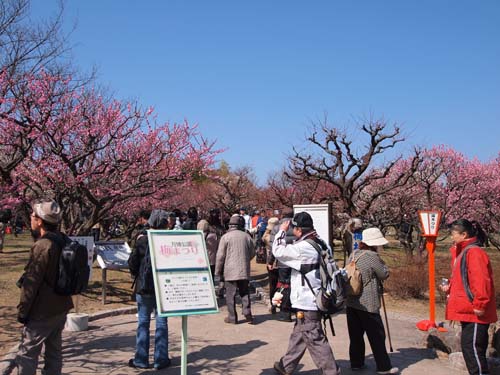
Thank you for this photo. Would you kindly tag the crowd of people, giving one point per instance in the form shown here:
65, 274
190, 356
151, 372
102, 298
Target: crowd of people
290, 244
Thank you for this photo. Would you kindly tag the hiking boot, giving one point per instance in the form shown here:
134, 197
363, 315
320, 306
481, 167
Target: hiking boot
393, 370
278, 366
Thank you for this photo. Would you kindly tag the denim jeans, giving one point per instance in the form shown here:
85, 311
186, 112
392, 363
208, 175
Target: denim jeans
145, 306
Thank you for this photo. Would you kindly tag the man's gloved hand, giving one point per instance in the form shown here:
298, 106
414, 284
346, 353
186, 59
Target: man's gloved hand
22, 319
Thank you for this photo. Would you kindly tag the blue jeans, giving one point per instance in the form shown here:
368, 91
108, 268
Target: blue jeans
145, 306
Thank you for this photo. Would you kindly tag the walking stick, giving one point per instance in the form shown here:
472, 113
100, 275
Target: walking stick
386, 321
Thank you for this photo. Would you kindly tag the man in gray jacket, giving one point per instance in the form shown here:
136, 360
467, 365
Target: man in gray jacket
236, 250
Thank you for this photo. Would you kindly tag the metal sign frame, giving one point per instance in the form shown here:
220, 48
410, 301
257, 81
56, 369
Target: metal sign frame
181, 273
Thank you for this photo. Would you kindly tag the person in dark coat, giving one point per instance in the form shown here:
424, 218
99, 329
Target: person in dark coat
192, 219
284, 272
41, 311
140, 268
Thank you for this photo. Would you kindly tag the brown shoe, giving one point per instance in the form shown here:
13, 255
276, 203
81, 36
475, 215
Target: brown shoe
229, 321
278, 366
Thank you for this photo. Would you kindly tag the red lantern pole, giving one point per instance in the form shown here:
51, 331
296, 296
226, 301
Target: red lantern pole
431, 246
430, 225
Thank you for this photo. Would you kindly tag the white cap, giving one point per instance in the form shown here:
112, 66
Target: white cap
373, 237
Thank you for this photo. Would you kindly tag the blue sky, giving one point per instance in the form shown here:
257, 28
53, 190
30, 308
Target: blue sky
254, 74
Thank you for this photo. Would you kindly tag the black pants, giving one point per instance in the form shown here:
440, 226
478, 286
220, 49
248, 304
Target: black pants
359, 322
273, 281
474, 342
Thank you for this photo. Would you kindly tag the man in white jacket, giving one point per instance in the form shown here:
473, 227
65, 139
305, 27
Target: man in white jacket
303, 259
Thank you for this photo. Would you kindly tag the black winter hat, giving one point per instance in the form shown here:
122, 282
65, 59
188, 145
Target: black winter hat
302, 220
237, 220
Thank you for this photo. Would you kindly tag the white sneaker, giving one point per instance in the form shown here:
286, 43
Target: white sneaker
393, 370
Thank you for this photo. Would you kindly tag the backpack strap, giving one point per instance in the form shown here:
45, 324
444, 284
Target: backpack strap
463, 271
354, 259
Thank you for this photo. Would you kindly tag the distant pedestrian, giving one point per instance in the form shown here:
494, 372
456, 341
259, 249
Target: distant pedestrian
5, 216
303, 258
248, 220
363, 311
284, 272
211, 241
192, 219
140, 267
236, 250
272, 263
471, 294
141, 225
41, 310
215, 221
3, 227
352, 236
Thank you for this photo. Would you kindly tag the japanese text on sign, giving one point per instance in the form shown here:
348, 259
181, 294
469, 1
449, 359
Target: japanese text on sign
430, 222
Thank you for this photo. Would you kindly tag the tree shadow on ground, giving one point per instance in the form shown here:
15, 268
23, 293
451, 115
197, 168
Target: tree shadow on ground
401, 358
272, 371
104, 351
213, 359
10, 331
218, 359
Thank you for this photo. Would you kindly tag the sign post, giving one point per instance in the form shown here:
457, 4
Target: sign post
429, 221
111, 255
182, 278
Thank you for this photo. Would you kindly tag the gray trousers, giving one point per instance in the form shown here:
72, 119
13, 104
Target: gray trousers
308, 334
37, 333
244, 292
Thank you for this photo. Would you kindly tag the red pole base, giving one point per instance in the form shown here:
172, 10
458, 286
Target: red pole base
425, 325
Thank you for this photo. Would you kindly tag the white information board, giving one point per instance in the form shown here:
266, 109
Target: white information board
112, 254
183, 283
322, 219
88, 242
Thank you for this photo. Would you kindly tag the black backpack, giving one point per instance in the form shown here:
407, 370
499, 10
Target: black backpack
141, 267
73, 269
145, 282
331, 297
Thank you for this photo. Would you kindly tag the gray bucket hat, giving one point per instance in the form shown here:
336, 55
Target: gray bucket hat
48, 210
